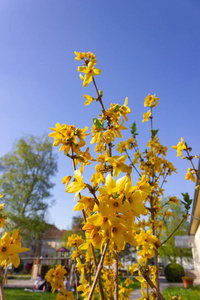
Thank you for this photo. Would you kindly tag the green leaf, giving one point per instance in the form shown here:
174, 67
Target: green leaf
133, 129
187, 201
186, 197
154, 132
98, 123
117, 107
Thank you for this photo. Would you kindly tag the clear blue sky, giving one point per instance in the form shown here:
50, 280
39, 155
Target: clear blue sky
141, 47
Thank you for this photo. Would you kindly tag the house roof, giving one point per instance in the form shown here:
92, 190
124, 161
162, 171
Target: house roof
195, 216
54, 233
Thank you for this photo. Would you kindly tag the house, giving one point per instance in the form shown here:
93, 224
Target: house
52, 241
47, 244
194, 230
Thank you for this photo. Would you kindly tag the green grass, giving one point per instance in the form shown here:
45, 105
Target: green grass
192, 293
19, 277
20, 294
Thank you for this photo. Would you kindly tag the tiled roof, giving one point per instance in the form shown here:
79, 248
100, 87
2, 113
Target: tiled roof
54, 233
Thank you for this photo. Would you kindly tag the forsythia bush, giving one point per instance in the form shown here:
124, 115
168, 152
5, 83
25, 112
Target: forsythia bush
116, 211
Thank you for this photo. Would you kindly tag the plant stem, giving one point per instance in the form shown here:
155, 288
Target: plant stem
148, 280
157, 270
115, 273
173, 232
100, 266
190, 159
133, 164
76, 280
1, 287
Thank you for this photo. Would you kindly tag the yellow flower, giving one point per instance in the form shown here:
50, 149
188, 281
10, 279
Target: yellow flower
99, 220
86, 203
76, 186
190, 175
92, 234
181, 146
117, 233
65, 296
125, 109
146, 253
151, 101
89, 72
128, 281
119, 165
112, 186
146, 116
88, 98
1, 195
9, 247
79, 55
98, 176
75, 240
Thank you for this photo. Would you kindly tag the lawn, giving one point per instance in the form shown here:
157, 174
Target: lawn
20, 294
19, 277
192, 293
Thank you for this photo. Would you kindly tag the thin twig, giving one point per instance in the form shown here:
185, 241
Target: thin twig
173, 232
133, 164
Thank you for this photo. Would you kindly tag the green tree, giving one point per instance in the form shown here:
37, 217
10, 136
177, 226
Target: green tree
169, 251
26, 183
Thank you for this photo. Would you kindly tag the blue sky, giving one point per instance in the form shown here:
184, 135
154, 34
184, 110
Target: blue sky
141, 47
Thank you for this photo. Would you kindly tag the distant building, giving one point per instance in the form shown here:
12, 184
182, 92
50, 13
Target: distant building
52, 240
195, 226
49, 243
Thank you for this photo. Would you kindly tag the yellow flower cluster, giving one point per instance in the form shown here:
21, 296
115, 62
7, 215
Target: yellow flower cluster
112, 212
119, 202
10, 246
190, 175
128, 144
75, 240
88, 70
151, 101
55, 278
72, 139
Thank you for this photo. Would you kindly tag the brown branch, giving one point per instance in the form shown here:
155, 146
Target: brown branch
148, 280
76, 280
116, 288
100, 266
1, 287
99, 97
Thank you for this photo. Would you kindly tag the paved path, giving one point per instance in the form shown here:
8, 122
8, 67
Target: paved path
163, 285
16, 283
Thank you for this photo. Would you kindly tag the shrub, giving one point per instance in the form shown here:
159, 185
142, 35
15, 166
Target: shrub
174, 272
